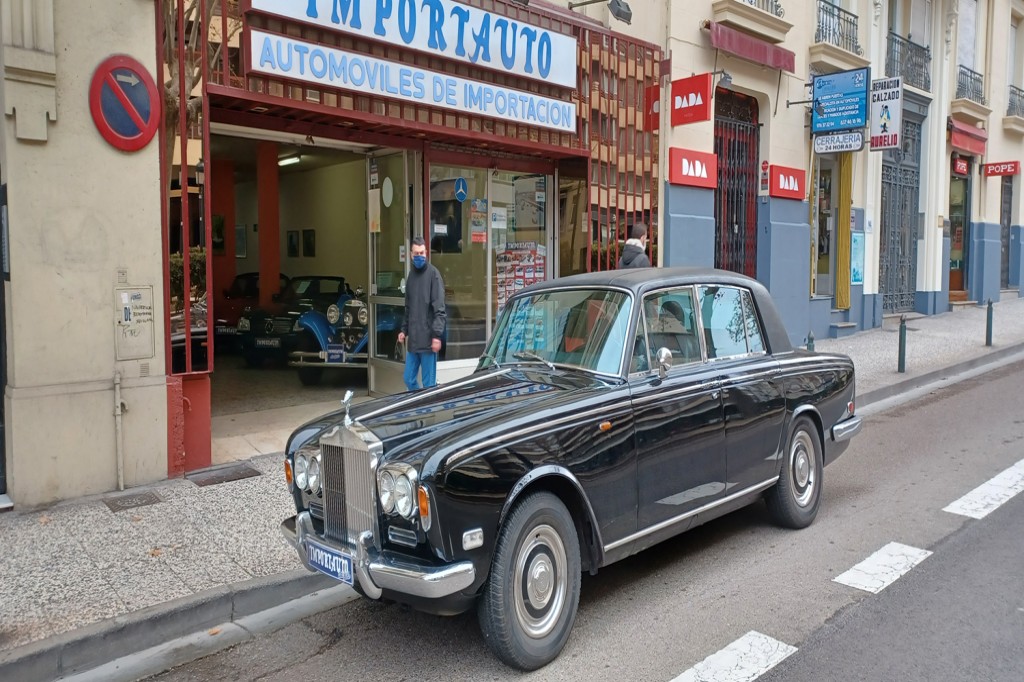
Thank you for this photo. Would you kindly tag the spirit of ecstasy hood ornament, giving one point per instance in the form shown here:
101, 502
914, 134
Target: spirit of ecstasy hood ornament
347, 401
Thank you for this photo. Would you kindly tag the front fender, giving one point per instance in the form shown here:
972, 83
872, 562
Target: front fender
316, 323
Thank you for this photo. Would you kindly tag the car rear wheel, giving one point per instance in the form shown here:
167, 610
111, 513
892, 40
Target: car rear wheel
309, 376
529, 603
794, 500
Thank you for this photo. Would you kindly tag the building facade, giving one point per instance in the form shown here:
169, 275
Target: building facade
520, 139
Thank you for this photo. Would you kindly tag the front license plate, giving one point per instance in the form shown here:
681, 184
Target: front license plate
329, 561
268, 343
335, 352
227, 330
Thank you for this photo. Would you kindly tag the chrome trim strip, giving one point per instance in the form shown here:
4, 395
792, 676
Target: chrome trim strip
606, 410
682, 517
847, 429
377, 572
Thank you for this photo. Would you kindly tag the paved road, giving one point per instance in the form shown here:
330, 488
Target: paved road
658, 615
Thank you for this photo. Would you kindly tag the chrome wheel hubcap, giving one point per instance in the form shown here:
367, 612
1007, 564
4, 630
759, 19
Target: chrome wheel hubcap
801, 458
540, 581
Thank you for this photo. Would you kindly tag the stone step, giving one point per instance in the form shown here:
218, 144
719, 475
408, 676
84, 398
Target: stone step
955, 306
838, 330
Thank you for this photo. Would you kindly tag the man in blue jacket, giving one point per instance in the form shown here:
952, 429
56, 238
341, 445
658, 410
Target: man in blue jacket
423, 325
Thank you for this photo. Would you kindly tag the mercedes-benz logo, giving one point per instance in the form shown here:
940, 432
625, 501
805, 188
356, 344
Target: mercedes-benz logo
269, 326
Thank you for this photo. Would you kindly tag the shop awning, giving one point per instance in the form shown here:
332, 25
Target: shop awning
754, 49
966, 138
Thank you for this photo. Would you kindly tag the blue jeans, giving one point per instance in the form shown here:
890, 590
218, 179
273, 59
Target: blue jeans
414, 362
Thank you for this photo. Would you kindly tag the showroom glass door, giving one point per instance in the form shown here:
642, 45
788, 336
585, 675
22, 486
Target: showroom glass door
389, 221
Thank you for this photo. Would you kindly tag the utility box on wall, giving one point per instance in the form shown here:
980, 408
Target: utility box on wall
134, 335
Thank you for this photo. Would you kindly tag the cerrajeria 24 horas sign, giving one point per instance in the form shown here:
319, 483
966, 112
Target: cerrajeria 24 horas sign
439, 27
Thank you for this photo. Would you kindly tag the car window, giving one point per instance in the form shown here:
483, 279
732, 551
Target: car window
581, 328
722, 318
330, 287
755, 341
672, 323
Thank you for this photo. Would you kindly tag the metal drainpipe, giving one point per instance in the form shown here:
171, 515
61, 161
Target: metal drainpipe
118, 430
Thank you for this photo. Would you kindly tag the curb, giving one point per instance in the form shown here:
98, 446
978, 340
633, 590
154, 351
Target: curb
171, 629
97, 644
892, 390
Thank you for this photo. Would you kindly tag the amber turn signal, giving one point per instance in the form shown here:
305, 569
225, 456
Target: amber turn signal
424, 502
288, 473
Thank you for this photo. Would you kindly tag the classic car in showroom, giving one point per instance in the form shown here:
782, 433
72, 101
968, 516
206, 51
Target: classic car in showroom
243, 293
609, 412
339, 337
273, 334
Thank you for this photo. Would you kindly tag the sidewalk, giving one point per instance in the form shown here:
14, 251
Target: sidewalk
87, 581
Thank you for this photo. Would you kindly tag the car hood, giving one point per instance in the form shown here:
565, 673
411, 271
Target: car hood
443, 419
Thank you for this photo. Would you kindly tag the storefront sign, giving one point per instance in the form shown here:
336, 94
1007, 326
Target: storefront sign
960, 166
445, 29
691, 99
689, 167
787, 183
333, 68
840, 101
835, 143
652, 108
1002, 168
886, 113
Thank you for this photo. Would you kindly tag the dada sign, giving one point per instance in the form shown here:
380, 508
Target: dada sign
786, 183
691, 99
689, 167
446, 29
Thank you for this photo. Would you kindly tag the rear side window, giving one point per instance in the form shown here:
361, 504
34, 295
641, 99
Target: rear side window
730, 323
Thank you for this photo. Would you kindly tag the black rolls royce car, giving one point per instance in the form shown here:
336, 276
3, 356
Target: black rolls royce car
610, 411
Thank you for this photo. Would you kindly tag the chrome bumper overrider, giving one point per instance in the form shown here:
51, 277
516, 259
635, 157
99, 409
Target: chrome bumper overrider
378, 571
846, 429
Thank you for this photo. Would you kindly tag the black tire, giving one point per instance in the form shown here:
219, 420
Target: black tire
793, 502
309, 376
527, 623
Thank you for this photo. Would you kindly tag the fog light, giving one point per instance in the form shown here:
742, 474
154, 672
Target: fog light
472, 539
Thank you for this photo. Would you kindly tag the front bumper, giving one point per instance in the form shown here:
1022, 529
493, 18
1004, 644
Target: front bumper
319, 359
377, 571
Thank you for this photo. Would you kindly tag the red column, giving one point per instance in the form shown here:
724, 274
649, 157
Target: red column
222, 203
267, 187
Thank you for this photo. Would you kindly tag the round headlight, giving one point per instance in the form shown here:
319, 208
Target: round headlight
314, 475
387, 492
348, 319
333, 314
243, 324
403, 496
301, 467
364, 316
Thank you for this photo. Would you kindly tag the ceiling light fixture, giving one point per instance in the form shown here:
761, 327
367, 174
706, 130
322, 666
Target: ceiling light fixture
618, 8
289, 160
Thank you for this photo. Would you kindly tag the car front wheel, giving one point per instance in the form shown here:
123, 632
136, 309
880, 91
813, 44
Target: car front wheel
529, 603
794, 500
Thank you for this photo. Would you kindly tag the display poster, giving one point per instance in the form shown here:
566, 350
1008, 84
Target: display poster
373, 210
856, 258
518, 265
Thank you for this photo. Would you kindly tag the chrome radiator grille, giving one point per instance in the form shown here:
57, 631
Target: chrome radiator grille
348, 491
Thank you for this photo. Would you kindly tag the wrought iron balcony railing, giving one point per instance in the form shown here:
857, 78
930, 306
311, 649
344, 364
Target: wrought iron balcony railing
837, 27
769, 6
1016, 105
970, 85
910, 61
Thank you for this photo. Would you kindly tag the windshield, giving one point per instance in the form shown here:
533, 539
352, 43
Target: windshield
312, 287
582, 328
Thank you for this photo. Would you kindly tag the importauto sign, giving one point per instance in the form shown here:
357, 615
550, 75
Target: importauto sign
689, 167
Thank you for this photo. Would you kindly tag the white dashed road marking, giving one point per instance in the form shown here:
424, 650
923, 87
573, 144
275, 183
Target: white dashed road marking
882, 568
744, 660
988, 496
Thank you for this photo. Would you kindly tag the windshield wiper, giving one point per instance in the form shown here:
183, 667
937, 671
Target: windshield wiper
488, 356
530, 355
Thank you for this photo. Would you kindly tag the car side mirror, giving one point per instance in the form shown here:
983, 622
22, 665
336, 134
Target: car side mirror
664, 356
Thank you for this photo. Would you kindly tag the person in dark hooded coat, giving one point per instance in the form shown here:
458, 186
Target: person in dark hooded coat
634, 254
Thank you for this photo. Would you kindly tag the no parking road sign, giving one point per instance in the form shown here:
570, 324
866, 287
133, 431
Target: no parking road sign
125, 103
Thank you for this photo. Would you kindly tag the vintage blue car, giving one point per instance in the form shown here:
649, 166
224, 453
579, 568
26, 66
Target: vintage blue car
339, 337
